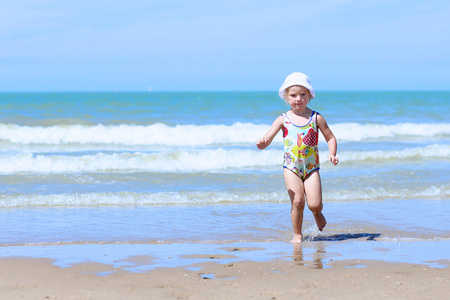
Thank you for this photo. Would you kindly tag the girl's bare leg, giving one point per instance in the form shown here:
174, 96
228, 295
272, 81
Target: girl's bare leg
296, 191
313, 190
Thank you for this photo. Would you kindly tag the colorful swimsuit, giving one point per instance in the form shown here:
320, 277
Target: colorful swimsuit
301, 154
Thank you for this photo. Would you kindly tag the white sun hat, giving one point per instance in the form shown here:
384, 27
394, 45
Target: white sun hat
296, 78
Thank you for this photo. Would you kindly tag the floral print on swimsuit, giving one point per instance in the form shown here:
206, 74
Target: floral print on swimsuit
301, 153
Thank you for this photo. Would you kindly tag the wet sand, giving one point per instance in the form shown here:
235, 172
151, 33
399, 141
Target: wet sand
273, 270
26, 278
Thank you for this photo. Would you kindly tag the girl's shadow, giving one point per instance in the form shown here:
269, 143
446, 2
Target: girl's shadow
344, 236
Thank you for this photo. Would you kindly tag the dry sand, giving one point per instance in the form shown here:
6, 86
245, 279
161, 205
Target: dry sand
37, 278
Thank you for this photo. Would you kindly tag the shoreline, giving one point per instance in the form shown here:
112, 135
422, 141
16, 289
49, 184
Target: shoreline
321, 251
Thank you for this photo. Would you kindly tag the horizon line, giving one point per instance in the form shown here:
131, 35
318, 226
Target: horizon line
220, 91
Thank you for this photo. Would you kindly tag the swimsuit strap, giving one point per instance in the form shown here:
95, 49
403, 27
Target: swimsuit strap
312, 119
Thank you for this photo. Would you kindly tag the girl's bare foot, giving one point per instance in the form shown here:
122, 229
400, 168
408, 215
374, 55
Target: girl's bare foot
297, 239
320, 220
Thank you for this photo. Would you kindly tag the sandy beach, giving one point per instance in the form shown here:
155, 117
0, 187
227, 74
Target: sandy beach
348, 269
27, 278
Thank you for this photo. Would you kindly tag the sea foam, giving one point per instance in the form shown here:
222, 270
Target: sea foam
193, 160
198, 135
211, 197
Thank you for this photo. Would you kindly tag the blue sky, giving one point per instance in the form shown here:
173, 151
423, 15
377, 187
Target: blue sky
54, 45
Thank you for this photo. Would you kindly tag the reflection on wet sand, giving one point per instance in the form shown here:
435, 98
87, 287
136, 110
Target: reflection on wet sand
317, 257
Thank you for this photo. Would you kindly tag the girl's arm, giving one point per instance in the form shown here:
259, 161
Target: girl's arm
265, 141
330, 138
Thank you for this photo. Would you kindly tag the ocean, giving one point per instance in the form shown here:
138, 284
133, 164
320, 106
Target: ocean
153, 168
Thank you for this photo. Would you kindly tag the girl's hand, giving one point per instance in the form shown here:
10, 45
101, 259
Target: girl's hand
333, 158
268, 137
262, 143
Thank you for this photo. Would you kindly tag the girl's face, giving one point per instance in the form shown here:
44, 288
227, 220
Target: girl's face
298, 97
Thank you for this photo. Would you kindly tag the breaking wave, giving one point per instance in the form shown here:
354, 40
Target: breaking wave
195, 160
210, 197
197, 135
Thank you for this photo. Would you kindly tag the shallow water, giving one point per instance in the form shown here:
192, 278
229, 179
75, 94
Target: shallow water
390, 220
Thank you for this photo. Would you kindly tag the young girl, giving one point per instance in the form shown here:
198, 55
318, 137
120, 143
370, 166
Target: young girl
300, 127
